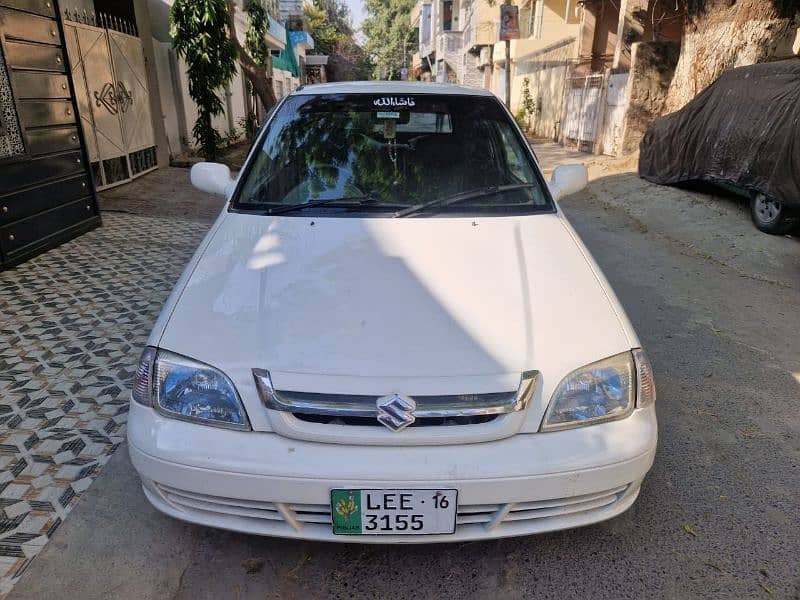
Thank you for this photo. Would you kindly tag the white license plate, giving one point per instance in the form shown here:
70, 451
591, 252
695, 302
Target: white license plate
393, 512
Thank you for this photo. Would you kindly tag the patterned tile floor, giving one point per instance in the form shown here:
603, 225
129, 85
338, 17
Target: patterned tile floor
72, 323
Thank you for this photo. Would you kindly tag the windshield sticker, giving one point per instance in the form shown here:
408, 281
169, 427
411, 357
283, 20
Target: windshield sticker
388, 114
392, 101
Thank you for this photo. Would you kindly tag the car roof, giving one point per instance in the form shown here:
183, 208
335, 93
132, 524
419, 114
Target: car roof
389, 87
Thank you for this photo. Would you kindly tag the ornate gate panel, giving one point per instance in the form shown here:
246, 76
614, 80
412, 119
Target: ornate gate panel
582, 111
111, 85
131, 78
91, 68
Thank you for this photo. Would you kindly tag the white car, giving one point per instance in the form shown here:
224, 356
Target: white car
392, 334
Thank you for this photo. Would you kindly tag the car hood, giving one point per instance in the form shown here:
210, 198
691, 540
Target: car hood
347, 305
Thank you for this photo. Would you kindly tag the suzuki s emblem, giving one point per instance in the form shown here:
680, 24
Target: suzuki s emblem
396, 412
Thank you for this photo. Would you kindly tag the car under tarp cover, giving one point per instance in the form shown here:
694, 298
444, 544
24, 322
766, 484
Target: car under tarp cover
743, 130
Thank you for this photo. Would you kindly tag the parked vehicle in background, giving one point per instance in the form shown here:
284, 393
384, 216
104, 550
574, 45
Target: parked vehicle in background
742, 132
392, 334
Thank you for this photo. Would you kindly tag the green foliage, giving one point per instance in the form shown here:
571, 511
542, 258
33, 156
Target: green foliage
254, 38
529, 107
329, 23
391, 39
521, 118
364, 67
528, 103
249, 125
232, 137
199, 34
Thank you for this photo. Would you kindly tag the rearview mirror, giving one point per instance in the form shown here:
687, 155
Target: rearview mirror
213, 178
568, 179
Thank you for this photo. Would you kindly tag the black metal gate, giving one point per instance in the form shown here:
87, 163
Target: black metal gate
46, 190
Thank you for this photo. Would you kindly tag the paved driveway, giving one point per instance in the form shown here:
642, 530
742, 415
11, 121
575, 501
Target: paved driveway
716, 303
72, 323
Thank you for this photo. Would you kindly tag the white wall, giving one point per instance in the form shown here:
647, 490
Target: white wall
236, 88
169, 110
283, 82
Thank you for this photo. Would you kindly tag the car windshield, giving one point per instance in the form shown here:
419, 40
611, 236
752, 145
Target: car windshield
374, 153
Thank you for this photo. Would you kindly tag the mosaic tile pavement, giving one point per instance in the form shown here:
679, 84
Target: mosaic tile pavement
72, 324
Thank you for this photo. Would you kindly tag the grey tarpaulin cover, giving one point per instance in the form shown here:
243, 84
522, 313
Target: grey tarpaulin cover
744, 130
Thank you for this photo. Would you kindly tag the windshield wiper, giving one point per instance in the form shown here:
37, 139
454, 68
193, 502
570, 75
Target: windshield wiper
462, 196
348, 202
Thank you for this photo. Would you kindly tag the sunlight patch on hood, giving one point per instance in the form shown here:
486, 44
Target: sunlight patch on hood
265, 253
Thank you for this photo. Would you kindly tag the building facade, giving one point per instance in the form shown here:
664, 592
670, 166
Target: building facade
458, 42
453, 36
540, 61
601, 79
569, 69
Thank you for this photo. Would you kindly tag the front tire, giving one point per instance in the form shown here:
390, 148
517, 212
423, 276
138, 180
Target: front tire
770, 215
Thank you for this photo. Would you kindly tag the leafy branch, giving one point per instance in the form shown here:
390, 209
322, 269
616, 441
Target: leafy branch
199, 36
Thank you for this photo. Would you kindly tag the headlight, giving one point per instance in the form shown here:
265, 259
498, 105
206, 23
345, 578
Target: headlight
182, 388
601, 391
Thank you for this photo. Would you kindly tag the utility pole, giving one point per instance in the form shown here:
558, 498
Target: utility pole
508, 74
509, 29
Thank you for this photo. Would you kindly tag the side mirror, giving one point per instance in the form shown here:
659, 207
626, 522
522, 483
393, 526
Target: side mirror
568, 179
213, 178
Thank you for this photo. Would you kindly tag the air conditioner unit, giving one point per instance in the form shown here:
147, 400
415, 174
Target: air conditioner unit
485, 57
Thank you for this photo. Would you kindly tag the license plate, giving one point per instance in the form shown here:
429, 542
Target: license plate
393, 512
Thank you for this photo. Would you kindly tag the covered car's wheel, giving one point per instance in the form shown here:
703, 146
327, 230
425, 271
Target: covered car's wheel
769, 215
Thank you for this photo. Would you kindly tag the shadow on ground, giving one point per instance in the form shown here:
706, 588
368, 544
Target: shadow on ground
716, 304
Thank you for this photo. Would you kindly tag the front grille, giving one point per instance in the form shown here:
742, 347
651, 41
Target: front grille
420, 410
298, 515
371, 422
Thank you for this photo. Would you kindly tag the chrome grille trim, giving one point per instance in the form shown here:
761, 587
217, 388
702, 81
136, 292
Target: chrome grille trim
345, 405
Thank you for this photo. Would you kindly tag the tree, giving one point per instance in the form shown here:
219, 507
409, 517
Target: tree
256, 45
329, 23
259, 75
391, 40
720, 35
204, 34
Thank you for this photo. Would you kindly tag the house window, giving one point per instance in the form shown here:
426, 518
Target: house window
425, 27
447, 15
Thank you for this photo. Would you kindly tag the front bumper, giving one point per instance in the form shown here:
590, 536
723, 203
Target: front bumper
265, 484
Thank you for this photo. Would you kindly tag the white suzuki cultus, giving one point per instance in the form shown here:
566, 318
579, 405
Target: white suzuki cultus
392, 334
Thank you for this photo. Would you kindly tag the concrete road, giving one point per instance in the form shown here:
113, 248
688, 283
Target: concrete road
716, 303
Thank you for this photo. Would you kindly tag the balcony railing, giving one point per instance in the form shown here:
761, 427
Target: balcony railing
277, 31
